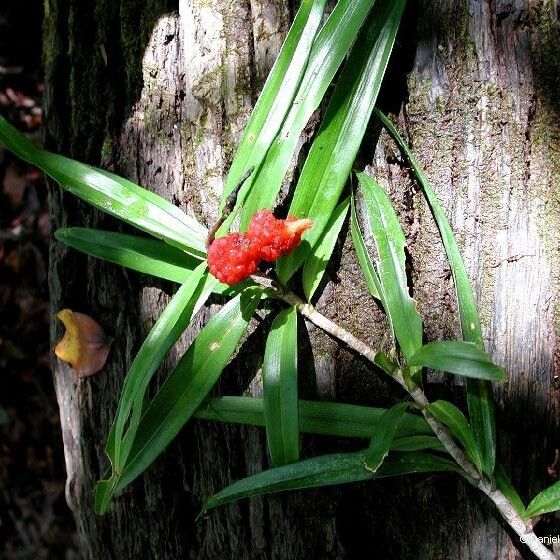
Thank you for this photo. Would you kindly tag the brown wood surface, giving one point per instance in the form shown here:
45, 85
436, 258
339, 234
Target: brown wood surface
161, 97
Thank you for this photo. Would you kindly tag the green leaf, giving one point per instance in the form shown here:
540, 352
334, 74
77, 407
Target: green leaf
458, 357
455, 420
381, 441
470, 321
390, 242
479, 399
186, 387
326, 470
505, 486
417, 443
165, 332
362, 253
545, 502
334, 149
112, 194
280, 389
483, 421
277, 94
317, 262
173, 320
4, 418
148, 256
315, 417
329, 50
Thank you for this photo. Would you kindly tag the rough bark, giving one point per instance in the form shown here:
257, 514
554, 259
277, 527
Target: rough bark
162, 99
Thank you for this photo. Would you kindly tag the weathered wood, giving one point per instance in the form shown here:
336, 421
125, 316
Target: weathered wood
162, 100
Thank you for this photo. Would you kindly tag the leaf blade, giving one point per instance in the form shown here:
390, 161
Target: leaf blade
144, 255
458, 357
546, 501
165, 332
280, 389
315, 417
417, 443
327, 470
364, 260
381, 441
329, 49
169, 326
334, 150
112, 194
277, 94
189, 382
506, 487
148, 256
403, 316
479, 399
455, 420
316, 264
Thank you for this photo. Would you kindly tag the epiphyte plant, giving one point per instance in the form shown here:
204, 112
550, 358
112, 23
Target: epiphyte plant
413, 436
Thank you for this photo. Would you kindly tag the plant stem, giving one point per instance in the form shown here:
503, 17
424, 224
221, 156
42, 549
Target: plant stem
228, 206
521, 527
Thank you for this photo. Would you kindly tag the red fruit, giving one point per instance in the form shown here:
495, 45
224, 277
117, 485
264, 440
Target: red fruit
232, 258
275, 237
236, 256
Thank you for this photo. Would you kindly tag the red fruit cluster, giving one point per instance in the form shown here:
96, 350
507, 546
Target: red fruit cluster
236, 256
232, 258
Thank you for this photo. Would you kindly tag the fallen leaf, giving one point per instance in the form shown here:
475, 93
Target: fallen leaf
85, 346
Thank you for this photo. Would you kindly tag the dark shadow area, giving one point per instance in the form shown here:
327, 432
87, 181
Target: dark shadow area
35, 521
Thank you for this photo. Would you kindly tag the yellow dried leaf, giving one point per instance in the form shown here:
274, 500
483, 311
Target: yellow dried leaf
85, 346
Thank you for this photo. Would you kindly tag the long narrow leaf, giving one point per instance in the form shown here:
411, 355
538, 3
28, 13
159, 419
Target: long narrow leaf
318, 260
417, 443
366, 264
315, 417
470, 321
173, 320
190, 381
326, 470
458, 357
329, 50
280, 389
506, 487
4, 418
381, 441
148, 256
277, 94
479, 399
169, 326
111, 194
483, 420
334, 150
390, 242
183, 391
455, 420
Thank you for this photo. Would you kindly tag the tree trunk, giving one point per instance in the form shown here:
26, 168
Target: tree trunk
162, 98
